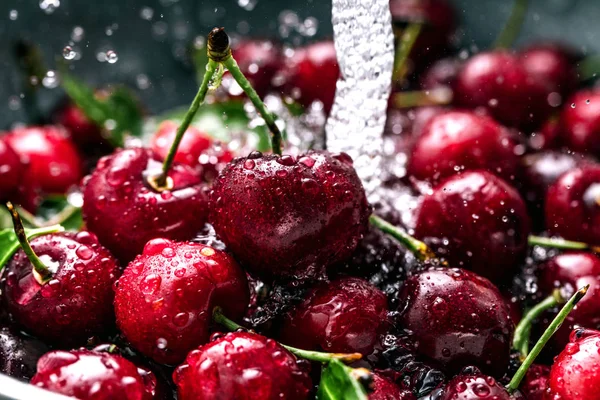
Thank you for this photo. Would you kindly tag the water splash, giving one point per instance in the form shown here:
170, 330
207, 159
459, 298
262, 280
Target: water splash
364, 44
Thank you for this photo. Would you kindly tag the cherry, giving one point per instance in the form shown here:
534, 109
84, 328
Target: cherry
457, 318
93, 375
54, 164
19, 354
193, 144
125, 212
552, 65
384, 389
476, 221
576, 371
165, 298
580, 118
259, 61
286, 217
11, 171
76, 302
547, 136
311, 73
343, 316
83, 132
498, 81
573, 205
462, 140
242, 366
535, 384
475, 386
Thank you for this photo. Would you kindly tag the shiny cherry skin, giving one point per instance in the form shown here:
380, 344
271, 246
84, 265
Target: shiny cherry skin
243, 366
580, 119
53, 162
311, 74
457, 318
125, 213
573, 205
165, 297
476, 221
19, 354
575, 374
285, 217
77, 302
11, 171
382, 388
193, 144
498, 82
552, 65
82, 131
346, 315
476, 386
535, 383
93, 375
259, 60
462, 140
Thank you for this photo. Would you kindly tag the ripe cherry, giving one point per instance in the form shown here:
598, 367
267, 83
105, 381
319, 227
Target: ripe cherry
82, 131
76, 302
462, 140
93, 375
11, 171
580, 119
193, 144
289, 217
573, 205
242, 366
476, 221
475, 386
53, 162
535, 384
343, 316
259, 61
125, 212
165, 298
552, 65
384, 389
457, 318
575, 374
19, 354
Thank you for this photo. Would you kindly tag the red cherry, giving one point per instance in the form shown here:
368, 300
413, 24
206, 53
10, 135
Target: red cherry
242, 366
535, 383
19, 354
580, 120
456, 319
476, 386
477, 221
498, 82
93, 375
575, 374
462, 140
288, 217
259, 61
384, 389
193, 144
165, 298
11, 171
547, 136
343, 316
552, 65
82, 131
125, 212
76, 303
54, 164
573, 205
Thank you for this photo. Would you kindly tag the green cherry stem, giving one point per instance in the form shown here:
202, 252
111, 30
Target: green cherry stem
407, 41
513, 25
418, 248
419, 98
316, 356
552, 328
562, 244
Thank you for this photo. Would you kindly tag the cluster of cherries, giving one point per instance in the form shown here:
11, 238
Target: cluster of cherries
295, 254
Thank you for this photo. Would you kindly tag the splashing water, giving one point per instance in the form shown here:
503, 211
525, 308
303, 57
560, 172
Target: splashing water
364, 43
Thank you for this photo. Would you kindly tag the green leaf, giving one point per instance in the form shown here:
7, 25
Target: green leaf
57, 210
9, 243
339, 382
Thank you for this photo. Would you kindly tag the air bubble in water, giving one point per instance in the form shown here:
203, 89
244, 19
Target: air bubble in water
13, 15
50, 80
247, 5
68, 53
49, 6
111, 57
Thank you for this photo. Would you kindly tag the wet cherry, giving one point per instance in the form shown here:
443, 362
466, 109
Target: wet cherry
343, 316
124, 212
165, 298
475, 386
289, 217
552, 65
259, 60
19, 354
82, 131
11, 171
193, 144
580, 122
476, 221
535, 383
384, 389
241, 366
456, 319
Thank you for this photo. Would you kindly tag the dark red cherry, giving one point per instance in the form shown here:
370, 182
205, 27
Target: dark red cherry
193, 144
552, 65
573, 205
11, 171
124, 212
476, 386
343, 316
165, 298
82, 131
457, 318
243, 366
93, 375
575, 374
535, 383
289, 217
54, 164
77, 302
259, 60
19, 354
476, 221
498, 82
456, 141
580, 118
311, 74
384, 389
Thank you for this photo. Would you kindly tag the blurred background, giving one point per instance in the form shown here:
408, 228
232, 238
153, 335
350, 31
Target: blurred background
145, 43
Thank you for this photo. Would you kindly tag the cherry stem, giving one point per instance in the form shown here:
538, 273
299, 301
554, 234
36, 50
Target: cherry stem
419, 98
418, 248
41, 272
513, 25
316, 356
552, 328
523, 329
407, 41
559, 243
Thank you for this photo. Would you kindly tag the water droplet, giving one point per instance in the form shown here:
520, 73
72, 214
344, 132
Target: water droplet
50, 80
49, 6
84, 252
181, 319
249, 164
13, 15
112, 57
150, 284
161, 343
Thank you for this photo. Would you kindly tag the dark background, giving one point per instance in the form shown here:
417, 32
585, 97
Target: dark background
150, 37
